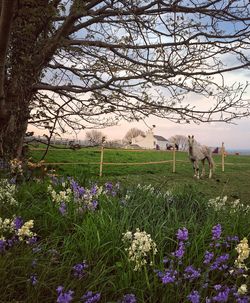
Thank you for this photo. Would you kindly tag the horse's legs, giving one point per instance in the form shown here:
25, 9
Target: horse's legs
203, 168
210, 167
196, 169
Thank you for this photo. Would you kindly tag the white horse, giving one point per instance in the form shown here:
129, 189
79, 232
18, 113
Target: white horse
200, 153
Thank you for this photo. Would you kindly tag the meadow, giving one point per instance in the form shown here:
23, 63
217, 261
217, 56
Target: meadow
137, 234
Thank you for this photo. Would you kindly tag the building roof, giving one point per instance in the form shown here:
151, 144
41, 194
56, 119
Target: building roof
160, 138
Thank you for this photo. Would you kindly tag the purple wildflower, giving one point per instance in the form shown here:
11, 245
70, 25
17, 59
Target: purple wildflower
190, 273
216, 232
33, 279
194, 297
129, 298
208, 257
90, 297
219, 262
179, 253
245, 299
18, 223
32, 240
108, 186
182, 234
34, 263
94, 190
79, 270
2, 245
63, 208
168, 276
94, 205
64, 297
222, 296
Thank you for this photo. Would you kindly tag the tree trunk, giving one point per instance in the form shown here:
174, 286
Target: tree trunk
14, 128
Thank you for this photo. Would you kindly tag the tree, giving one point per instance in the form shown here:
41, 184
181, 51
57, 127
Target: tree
69, 63
95, 137
132, 133
181, 141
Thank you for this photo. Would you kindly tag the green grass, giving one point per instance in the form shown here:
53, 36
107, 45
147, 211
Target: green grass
96, 237
232, 182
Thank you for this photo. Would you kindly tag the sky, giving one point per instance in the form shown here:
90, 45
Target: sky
235, 136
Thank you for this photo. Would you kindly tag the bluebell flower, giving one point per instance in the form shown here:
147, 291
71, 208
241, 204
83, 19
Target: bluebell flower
129, 298
222, 296
64, 297
79, 270
168, 276
18, 223
33, 279
179, 253
63, 208
90, 297
194, 297
208, 257
190, 273
216, 232
182, 234
219, 262
2, 245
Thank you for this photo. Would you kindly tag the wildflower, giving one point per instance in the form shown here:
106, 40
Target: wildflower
243, 253
33, 279
194, 297
216, 232
90, 297
64, 297
208, 257
182, 234
179, 253
141, 245
222, 295
242, 290
2, 245
63, 209
168, 276
219, 262
190, 273
17, 223
25, 231
129, 298
79, 270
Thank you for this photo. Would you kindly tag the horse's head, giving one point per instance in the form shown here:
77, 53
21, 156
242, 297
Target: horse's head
190, 140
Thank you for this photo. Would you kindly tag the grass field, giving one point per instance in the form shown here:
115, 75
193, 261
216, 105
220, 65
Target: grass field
232, 182
138, 234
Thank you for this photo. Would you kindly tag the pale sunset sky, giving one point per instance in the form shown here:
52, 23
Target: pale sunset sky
234, 136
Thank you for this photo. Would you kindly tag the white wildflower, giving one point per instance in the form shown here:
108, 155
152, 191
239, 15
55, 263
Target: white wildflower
242, 290
141, 245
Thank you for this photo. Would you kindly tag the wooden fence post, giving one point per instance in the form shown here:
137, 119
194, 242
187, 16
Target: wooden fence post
174, 158
222, 157
101, 161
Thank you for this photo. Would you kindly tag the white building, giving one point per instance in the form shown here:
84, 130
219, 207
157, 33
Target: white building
150, 141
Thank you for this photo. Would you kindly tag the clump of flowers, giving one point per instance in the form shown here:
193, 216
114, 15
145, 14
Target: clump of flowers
7, 193
79, 270
140, 247
222, 203
16, 167
64, 296
151, 190
68, 191
218, 263
90, 297
15, 230
129, 298
243, 253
